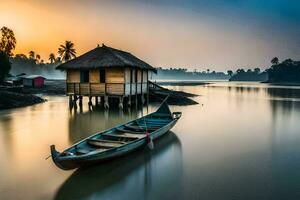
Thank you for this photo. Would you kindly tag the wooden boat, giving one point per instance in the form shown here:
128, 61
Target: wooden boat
116, 141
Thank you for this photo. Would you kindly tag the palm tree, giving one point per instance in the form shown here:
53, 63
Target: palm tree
67, 51
52, 58
275, 61
38, 57
31, 55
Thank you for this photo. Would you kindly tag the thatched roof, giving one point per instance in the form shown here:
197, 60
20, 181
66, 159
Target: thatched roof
105, 56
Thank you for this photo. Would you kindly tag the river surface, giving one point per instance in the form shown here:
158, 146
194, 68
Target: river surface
241, 142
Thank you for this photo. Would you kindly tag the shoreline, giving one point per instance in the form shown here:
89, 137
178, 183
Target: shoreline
181, 83
284, 83
9, 100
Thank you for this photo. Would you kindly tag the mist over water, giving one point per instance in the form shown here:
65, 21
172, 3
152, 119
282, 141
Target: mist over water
241, 142
48, 70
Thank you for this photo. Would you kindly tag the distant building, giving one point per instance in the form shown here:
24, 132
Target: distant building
35, 81
107, 73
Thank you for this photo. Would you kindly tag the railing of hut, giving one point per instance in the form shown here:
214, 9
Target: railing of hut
100, 89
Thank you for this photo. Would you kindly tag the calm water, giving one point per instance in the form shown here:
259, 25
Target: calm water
241, 142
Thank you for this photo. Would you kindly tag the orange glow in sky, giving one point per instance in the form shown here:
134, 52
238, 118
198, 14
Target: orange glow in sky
167, 36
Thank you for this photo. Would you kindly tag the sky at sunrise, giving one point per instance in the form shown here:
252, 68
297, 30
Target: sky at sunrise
215, 34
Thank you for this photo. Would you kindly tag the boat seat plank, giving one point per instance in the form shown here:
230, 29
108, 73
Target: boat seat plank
129, 131
107, 141
97, 143
126, 135
142, 128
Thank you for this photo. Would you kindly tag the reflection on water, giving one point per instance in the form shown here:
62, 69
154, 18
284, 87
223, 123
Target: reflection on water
142, 175
241, 142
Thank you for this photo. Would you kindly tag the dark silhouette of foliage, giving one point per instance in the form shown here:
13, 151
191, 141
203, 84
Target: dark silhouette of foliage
8, 41
287, 71
67, 51
38, 57
275, 61
249, 75
52, 58
21, 64
32, 55
21, 56
230, 73
5, 65
257, 70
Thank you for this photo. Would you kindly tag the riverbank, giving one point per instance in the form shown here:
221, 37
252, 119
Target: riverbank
13, 97
15, 100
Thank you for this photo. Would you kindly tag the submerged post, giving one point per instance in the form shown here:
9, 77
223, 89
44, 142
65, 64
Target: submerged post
121, 102
129, 101
142, 99
75, 101
70, 101
80, 101
96, 101
106, 104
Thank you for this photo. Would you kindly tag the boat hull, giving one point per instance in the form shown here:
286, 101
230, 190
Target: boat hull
78, 162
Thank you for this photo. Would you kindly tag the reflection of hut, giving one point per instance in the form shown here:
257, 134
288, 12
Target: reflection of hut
107, 73
33, 81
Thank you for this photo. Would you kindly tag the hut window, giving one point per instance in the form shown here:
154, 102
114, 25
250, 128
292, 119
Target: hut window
84, 76
102, 75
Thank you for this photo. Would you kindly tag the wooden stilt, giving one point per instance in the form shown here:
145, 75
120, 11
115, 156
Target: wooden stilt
75, 102
129, 101
102, 100
106, 104
121, 102
90, 102
70, 101
142, 99
80, 101
96, 101
136, 101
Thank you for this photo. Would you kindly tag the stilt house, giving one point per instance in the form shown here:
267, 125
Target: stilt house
107, 73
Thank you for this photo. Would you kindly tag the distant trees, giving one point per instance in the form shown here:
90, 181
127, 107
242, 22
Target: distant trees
286, 71
5, 65
31, 55
275, 61
52, 58
249, 75
8, 41
230, 72
257, 70
67, 51
37, 58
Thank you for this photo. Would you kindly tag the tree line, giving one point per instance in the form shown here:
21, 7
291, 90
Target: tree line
286, 71
8, 43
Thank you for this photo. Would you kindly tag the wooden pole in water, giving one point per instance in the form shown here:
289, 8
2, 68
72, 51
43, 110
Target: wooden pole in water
106, 104
121, 102
75, 101
90, 102
70, 101
96, 101
147, 91
80, 101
